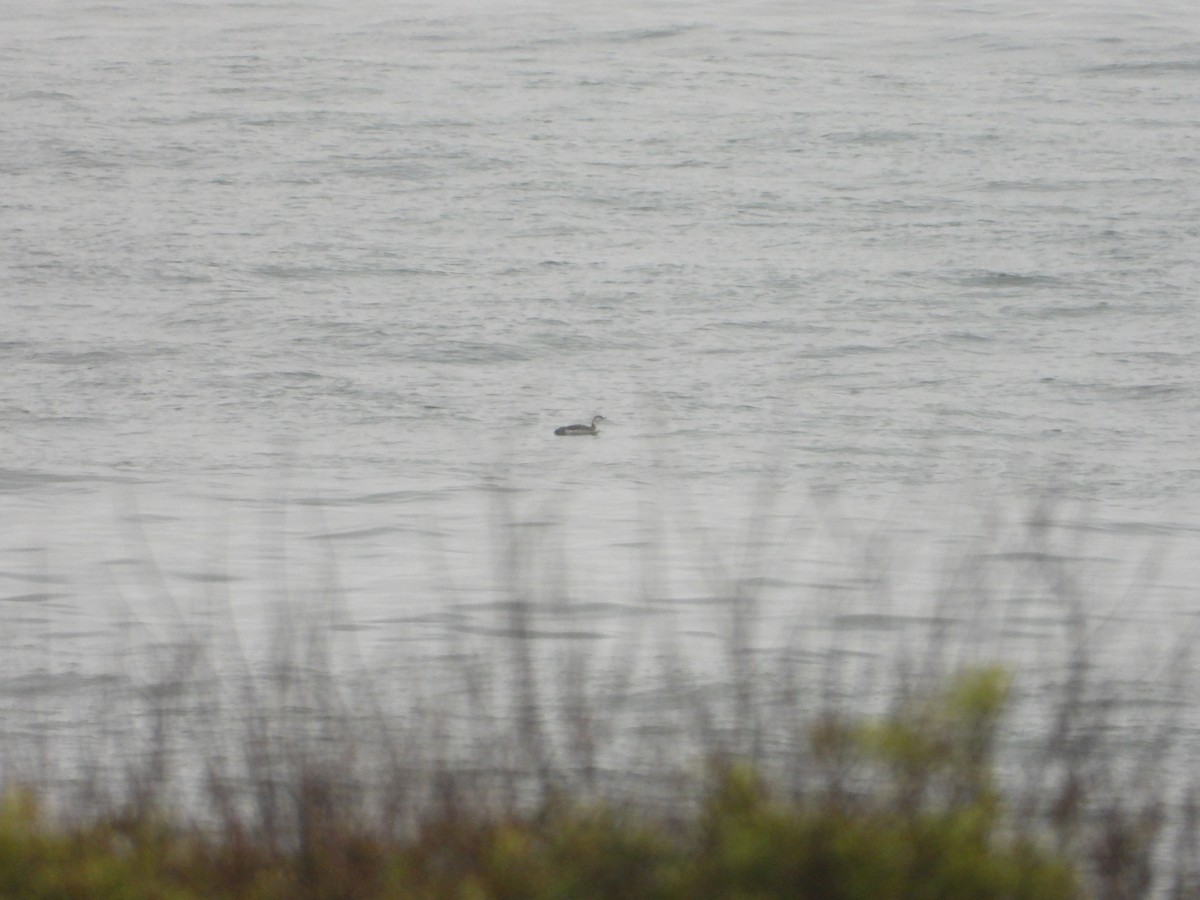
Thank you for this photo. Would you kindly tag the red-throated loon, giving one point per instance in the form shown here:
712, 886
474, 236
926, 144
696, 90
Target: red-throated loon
580, 429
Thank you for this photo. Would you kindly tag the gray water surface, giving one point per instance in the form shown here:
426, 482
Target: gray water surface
294, 295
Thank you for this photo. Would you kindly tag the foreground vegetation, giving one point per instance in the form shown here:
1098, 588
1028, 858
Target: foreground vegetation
923, 818
534, 763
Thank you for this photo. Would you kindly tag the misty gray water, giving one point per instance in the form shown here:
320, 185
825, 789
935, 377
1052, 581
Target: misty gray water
294, 295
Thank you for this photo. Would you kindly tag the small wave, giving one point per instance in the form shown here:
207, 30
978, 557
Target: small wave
36, 684
400, 497
1082, 392
77, 357
41, 96
278, 271
1152, 67
991, 279
847, 350
773, 325
354, 534
1040, 185
297, 374
1162, 356
36, 597
878, 136
1063, 311
473, 352
390, 497
208, 577
637, 35
531, 633
599, 609
35, 577
885, 621
1150, 391
15, 480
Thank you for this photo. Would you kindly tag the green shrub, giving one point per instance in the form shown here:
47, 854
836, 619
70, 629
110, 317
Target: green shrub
926, 821
921, 818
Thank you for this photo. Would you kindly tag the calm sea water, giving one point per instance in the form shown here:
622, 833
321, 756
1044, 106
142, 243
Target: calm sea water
294, 295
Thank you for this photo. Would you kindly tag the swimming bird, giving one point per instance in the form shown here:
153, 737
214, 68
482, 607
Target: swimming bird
580, 429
